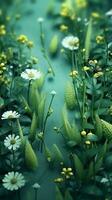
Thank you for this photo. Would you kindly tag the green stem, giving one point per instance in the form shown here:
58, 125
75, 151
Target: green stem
74, 64
83, 105
36, 194
44, 50
19, 195
47, 115
11, 85
28, 95
92, 103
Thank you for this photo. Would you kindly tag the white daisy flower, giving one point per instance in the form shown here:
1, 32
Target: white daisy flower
10, 115
70, 42
31, 74
13, 181
53, 92
12, 142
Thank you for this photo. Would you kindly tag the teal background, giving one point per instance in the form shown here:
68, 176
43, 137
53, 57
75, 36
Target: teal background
28, 25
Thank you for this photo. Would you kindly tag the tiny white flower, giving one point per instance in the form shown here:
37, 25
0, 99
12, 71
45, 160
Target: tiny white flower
71, 43
12, 142
109, 13
40, 19
104, 180
79, 19
36, 186
10, 115
13, 181
53, 92
31, 74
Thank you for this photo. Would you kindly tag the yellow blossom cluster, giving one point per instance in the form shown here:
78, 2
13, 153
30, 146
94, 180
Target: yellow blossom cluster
74, 73
87, 137
98, 74
67, 172
23, 39
63, 28
67, 10
99, 39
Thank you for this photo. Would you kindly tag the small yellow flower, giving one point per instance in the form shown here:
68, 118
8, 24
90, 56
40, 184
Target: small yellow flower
85, 68
58, 180
87, 142
98, 74
2, 30
93, 62
65, 10
63, 28
95, 15
99, 39
74, 73
22, 39
67, 172
90, 133
83, 133
30, 44
81, 3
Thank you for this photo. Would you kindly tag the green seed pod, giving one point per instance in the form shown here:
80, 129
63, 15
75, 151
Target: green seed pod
70, 96
107, 129
53, 45
21, 134
30, 157
33, 127
57, 155
98, 127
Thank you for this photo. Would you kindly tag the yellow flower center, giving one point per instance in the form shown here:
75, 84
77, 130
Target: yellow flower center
31, 75
10, 116
13, 181
73, 43
13, 141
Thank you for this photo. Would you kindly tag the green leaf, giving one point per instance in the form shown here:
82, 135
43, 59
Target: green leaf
68, 196
79, 166
58, 194
56, 154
